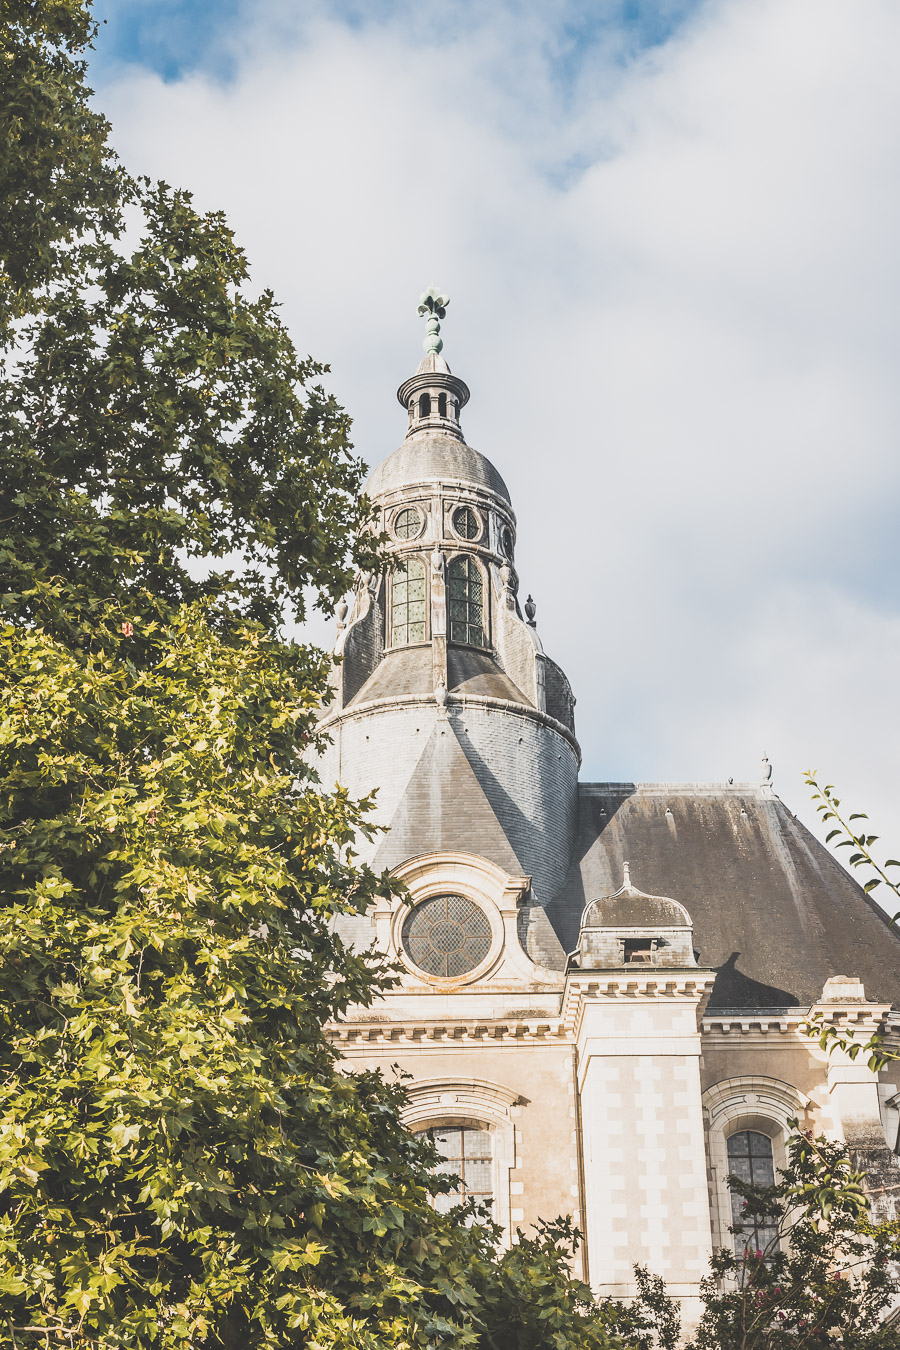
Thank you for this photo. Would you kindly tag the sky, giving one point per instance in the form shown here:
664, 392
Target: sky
669, 236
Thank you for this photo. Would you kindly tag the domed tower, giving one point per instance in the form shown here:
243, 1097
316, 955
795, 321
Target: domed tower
444, 699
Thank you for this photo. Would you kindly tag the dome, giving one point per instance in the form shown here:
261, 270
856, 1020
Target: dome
428, 457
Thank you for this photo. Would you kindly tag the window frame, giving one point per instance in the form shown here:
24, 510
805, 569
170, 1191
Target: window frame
748, 1102
476, 515
405, 561
471, 561
401, 510
482, 1104
771, 1161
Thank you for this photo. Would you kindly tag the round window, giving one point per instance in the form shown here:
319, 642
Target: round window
506, 541
466, 523
447, 936
408, 523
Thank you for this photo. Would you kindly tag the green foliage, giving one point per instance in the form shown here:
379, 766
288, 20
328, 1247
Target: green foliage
182, 1162
653, 1320
848, 836
825, 1281
160, 439
59, 182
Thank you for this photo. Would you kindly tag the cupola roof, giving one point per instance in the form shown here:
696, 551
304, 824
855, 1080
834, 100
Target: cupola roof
435, 449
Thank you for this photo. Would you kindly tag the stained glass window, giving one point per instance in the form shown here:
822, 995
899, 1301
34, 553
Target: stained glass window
466, 1150
408, 602
407, 523
465, 590
447, 935
466, 523
750, 1159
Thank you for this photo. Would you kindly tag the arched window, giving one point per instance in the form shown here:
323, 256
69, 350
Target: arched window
424, 405
750, 1158
468, 1156
408, 602
442, 405
466, 595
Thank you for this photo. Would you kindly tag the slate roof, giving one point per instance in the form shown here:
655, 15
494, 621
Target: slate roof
774, 913
444, 809
429, 456
408, 670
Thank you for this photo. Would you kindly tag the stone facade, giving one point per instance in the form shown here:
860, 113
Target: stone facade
609, 1034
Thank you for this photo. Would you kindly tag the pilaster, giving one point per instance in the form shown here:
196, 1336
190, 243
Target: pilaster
638, 1076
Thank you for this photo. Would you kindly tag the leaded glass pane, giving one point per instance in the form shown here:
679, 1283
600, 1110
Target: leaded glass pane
408, 523
408, 602
466, 523
750, 1159
447, 936
465, 591
468, 1156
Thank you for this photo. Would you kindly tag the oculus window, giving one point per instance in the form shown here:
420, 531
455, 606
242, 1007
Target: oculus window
465, 592
447, 936
408, 602
750, 1158
466, 523
467, 1154
408, 523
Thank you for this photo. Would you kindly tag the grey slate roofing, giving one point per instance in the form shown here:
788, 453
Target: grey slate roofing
774, 913
444, 809
428, 457
408, 670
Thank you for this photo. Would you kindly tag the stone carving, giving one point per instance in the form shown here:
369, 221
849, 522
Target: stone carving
530, 611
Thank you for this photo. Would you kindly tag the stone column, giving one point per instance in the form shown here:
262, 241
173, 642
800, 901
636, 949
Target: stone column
646, 1199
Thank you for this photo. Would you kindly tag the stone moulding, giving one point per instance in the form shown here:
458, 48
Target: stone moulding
659, 985
415, 1033
525, 710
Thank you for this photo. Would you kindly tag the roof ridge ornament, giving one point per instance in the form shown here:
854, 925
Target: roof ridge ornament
432, 303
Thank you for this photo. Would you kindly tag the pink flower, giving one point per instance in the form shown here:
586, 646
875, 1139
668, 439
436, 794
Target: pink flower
128, 628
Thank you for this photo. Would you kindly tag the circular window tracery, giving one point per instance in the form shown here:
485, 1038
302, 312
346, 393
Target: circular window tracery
466, 523
446, 936
408, 523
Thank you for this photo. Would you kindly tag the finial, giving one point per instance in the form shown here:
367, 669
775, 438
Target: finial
765, 770
626, 876
342, 615
530, 611
440, 692
432, 303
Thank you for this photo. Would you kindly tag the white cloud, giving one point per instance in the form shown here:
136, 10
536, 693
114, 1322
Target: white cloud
682, 357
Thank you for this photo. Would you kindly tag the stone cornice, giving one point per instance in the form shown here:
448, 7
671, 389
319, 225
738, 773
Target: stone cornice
358, 1035
655, 983
454, 701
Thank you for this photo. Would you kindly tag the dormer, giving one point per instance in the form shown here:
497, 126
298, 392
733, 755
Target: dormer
630, 929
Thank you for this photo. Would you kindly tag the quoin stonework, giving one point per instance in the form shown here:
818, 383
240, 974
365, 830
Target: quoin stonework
603, 983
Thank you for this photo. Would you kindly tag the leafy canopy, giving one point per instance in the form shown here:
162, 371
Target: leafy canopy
181, 1162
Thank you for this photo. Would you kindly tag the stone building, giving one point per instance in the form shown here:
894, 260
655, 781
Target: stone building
603, 983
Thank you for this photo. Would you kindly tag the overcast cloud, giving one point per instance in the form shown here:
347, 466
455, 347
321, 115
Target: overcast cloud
670, 243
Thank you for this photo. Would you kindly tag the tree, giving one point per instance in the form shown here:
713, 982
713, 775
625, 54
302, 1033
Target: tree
855, 838
182, 1164
824, 1279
